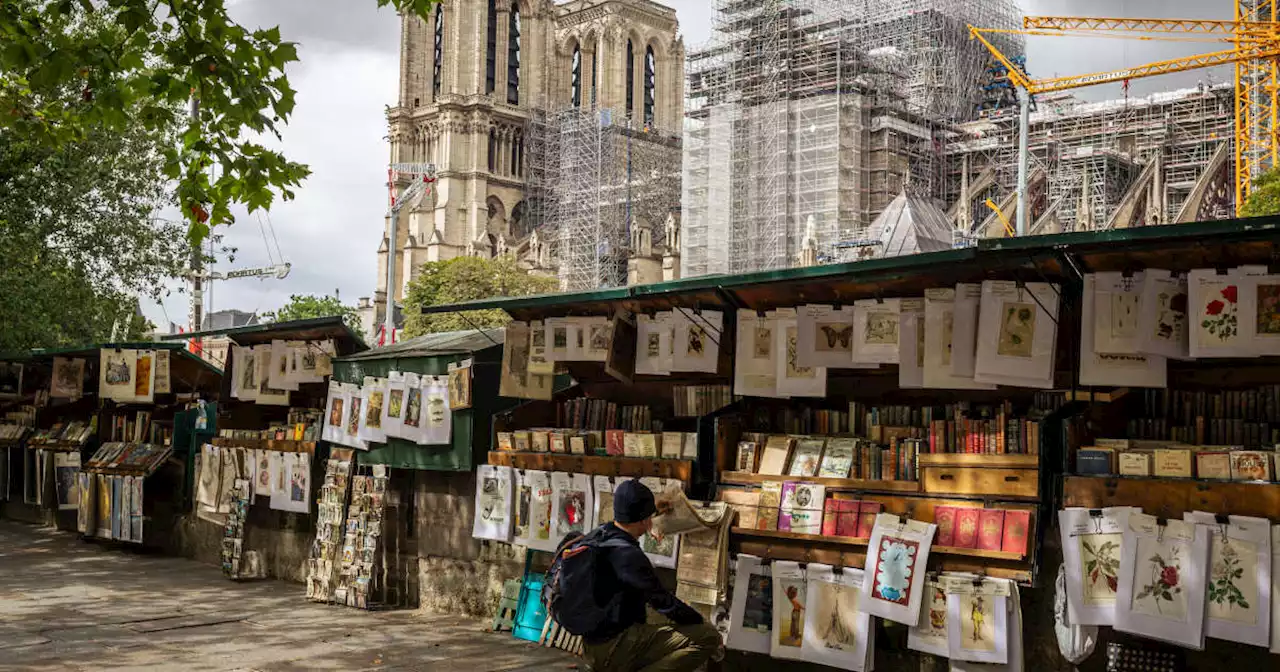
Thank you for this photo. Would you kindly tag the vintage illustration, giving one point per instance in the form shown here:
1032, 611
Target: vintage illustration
335, 412
1159, 575
68, 377
1100, 563
460, 388
793, 369
697, 344
353, 420
540, 512
790, 616
395, 403
413, 411
948, 326
524, 501
833, 337
894, 570
560, 338
436, 410
604, 506
599, 339
1232, 585
248, 370
373, 415
655, 544
1218, 316
882, 329
758, 613
937, 623
763, 342
1268, 309
1171, 314
117, 369
653, 345
836, 609
1124, 315
1017, 329
977, 627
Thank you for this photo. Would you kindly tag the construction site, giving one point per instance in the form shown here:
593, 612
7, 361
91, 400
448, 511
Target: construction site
820, 131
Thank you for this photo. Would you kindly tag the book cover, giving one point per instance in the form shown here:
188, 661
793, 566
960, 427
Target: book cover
690, 446
746, 503
1134, 463
505, 443
578, 445
1250, 465
746, 462
1094, 461
1016, 524
945, 518
990, 529
838, 458
867, 512
647, 444
614, 443
850, 514
558, 443
802, 508
1171, 462
631, 444
788, 496
777, 453
541, 441
672, 445
770, 500
831, 516
967, 527
808, 457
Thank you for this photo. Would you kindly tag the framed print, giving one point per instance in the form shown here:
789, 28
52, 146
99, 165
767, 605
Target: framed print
1091, 545
67, 380
1117, 300
793, 379
1123, 369
836, 633
790, 594
1161, 592
977, 620
875, 331
896, 557
1163, 322
493, 503
1239, 582
940, 339
1017, 334
654, 344
460, 386
824, 336
755, 362
697, 336
751, 609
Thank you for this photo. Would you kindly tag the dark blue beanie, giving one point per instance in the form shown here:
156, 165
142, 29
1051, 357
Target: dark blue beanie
633, 502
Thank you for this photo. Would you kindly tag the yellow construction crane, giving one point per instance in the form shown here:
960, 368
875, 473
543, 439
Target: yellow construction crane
1254, 39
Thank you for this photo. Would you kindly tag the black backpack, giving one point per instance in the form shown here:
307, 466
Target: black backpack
570, 590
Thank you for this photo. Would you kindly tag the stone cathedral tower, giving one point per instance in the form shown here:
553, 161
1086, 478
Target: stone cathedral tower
471, 80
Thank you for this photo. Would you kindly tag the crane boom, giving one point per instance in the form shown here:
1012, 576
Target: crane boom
1181, 26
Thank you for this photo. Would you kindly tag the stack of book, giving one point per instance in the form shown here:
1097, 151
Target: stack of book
1170, 459
599, 415
983, 529
611, 442
828, 457
1228, 417
954, 428
693, 401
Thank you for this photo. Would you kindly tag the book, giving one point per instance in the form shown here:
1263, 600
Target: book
1250, 465
838, 458
802, 508
578, 445
867, 512
558, 443
647, 444
770, 500
1016, 524
967, 527
777, 453
614, 442
1213, 464
808, 456
520, 442
690, 445
990, 529
746, 462
1171, 463
631, 444
831, 515
945, 518
745, 502
505, 443
1135, 463
1094, 461
672, 445
541, 441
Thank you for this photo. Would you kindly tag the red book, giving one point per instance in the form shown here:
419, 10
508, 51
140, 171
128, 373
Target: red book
831, 517
1015, 531
847, 524
613, 442
945, 518
967, 527
867, 512
990, 529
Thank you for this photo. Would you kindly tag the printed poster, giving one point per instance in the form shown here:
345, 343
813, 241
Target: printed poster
751, 611
493, 503
896, 559
790, 593
836, 633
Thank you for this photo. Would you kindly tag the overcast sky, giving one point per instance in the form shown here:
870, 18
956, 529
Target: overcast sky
348, 74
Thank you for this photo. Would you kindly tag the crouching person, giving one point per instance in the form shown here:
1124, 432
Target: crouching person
600, 583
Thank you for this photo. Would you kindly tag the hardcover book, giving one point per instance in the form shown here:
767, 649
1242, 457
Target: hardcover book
1016, 524
1172, 462
1134, 463
990, 529
967, 527
504, 442
840, 518
541, 441
777, 453
838, 458
1250, 465
672, 445
1213, 465
614, 442
520, 441
558, 443
867, 512
770, 500
746, 503
631, 444
1094, 461
802, 508
746, 462
647, 444
945, 518
578, 445
808, 457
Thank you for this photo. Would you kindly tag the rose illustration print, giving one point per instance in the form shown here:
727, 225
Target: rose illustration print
1162, 595
1219, 317
895, 570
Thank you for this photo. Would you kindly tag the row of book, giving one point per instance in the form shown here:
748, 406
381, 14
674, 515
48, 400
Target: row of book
953, 428
612, 442
828, 457
800, 420
1218, 432
138, 428
600, 414
304, 424
76, 431
1183, 408
11, 432
143, 457
803, 508
1109, 457
692, 401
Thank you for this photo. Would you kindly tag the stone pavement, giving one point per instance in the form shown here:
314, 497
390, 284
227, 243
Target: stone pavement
72, 605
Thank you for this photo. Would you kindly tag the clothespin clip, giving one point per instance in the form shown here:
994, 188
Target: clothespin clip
1096, 516
879, 297
1161, 524
1224, 526
1222, 270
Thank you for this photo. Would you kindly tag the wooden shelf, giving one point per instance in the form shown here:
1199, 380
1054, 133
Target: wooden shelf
278, 445
596, 465
1172, 497
854, 541
831, 484
974, 460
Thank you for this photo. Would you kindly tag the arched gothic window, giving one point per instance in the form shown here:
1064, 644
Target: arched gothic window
513, 56
491, 45
631, 79
575, 81
650, 85
437, 68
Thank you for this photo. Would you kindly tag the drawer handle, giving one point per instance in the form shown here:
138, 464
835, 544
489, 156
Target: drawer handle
947, 477
1011, 479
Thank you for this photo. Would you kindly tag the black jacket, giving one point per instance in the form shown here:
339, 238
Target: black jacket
626, 572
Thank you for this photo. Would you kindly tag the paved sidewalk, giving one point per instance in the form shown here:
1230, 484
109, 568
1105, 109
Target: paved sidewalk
72, 605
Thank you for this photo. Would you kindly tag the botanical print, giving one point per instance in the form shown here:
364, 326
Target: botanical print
894, 570
697, 344
794, 370
948, 322
1161, 595
1268, 309
758, 614
1219, 317
118, 372
977, 629
791, 630
1017, 329
1171, 314
882, 329
837, 609
1232, 588
353, 420
395, 403
833, 337
414, 410
1124, 315
373, 416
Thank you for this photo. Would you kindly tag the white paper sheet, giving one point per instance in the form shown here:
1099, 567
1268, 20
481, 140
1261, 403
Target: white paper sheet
1017, 334
977, 621
661, 551
534, 502
1215, 314
437, 421
374, 403
1163, 325
930, 635
790, 593
751, 611
1239, 581
267, 395
1260, 313
493, 503
354, 417
896, 559
836, 633
1117, 300
1091, 546
334, 406
940, 338
413, 426
279, 377
116, 371
516, 379
794, 380
295, 495
1154, 560
696, 340
653, 344
244, 377
394, 410
964, 336
824, 336
755, 365
1125, 370
596, 333
876, 331
1015, 663
911, 345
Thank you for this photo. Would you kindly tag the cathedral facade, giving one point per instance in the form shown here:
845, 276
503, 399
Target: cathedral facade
474, 77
